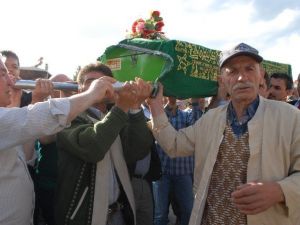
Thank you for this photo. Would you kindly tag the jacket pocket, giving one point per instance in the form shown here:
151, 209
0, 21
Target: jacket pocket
79, 203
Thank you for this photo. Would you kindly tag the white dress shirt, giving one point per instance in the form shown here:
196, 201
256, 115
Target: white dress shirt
19, 125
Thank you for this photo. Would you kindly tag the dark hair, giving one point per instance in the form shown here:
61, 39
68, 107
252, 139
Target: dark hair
8, 53
284, 76
93, 67
267, 79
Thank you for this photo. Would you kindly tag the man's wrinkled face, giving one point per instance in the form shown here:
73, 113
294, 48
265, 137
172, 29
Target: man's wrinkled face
278, 90
241, 76
5, 84
13, 66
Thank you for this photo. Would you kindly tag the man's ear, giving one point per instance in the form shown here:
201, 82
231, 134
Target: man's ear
262, 72
289, 92
220, 80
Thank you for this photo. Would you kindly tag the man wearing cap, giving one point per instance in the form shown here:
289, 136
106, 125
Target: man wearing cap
247, 152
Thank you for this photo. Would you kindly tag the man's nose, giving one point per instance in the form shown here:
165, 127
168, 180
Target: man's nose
242, 76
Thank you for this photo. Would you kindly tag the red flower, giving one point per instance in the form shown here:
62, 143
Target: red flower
159, 25
147, 33
133, 27
149, 28
155, 14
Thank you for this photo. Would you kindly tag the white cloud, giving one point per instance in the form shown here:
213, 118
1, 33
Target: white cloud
71, 33
286, 51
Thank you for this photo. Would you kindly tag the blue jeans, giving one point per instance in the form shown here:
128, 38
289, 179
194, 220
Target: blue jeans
182, 188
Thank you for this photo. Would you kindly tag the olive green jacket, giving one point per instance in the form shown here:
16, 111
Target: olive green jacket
84, 144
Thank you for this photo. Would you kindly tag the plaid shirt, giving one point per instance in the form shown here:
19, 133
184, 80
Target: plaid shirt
240, 127
180, 165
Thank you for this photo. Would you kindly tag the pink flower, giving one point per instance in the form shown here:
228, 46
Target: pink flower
149, 28
134, 25
140, 27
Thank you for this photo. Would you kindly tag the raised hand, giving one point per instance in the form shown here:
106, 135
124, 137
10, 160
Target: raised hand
144, 90
101, 89
156, 104
127, 97
43, 88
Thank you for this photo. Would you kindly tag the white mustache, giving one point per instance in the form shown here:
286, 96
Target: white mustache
243, 85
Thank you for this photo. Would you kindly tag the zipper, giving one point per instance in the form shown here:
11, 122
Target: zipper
79, 203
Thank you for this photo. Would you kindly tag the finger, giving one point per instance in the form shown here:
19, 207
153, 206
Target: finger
134, 92
253, 211
126, 86
110, 93
137, 79
43, 85
246, 199
245, 191
140, 82
243, 186
132, 83
38, 84
143, 84
51, 85
161, 90
251, 206
48, 85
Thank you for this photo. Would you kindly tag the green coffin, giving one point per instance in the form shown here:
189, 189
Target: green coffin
186, 70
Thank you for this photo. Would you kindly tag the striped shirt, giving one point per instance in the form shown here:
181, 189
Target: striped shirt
240, 127
18, 126
180, 165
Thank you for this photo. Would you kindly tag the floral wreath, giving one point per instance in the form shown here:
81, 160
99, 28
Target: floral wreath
149, 28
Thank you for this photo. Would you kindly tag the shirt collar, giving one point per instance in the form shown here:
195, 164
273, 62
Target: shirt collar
249, 113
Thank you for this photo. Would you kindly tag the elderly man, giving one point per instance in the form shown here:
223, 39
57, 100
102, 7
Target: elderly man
247, 152
18, 126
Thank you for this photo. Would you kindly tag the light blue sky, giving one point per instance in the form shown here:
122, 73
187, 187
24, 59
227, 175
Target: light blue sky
71, 33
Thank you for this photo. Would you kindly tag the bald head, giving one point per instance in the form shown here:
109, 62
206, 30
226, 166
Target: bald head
60, 78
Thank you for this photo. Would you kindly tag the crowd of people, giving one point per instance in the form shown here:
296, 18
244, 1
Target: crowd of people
102, 156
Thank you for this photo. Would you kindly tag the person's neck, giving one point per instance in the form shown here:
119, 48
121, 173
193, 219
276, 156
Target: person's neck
172, 108
240, 107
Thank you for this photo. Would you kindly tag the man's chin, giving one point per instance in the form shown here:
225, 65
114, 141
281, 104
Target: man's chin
244, 97
6, 104
271, 97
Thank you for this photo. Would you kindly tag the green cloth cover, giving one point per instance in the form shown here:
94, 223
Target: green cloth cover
186, 70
